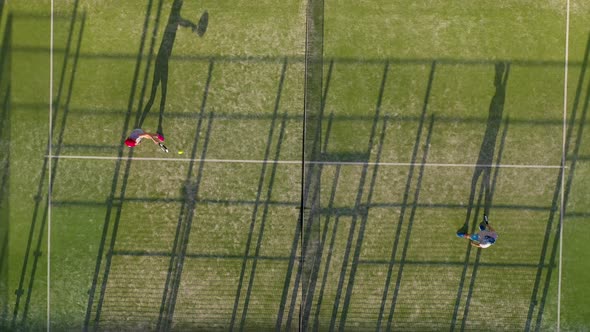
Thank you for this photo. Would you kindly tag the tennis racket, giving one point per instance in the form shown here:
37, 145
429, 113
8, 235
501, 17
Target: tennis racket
163, 147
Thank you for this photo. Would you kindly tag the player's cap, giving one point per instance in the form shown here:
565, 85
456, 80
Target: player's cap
161, 137
130, 143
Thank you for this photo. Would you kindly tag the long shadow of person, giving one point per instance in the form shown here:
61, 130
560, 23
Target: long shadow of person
488, 145
164, 52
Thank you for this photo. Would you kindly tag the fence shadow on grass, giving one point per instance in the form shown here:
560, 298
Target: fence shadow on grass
191, 188
361, 207
254, 218
406, 195
359, 211
112, 201
5, 98
182, 237
37, 227
573, 157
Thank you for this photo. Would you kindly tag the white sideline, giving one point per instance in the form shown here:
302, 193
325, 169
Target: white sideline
49, 173
563, 160
297, 162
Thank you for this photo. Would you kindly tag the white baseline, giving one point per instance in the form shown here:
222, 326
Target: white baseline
298, 162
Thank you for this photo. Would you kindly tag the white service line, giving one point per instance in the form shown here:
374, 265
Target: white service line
49, 173
563, 160
297, 162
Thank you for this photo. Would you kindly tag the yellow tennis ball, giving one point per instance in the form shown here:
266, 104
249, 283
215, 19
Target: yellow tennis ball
180, 152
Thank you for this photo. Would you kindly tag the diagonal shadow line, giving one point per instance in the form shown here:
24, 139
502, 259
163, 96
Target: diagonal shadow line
318, 257
467, 256
313, 109
485, 159
406, 196
570, 178
306, 249
109, 254
5, 62
365, 214
297, 238
192, 206
38, 200
578, 95
311, 135
258, 195
161, 68
41, 235
547, 283
499, 160
2, 12
306, 183
263, 223
4, 206
173, 257
402, 260
308, 296
110, 198
330, 251
357, 206
488, 204
38, 197
555, 203
360, 237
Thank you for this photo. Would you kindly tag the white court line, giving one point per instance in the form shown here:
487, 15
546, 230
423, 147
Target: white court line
49, 177
298, 162
563, 159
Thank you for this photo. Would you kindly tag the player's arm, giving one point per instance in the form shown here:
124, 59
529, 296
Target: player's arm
150, 136
475, 244
187, 24
491, 228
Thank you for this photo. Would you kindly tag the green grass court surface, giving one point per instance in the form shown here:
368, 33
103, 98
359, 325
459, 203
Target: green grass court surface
332, 148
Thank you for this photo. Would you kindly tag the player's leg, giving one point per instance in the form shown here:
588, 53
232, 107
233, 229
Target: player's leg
462, 232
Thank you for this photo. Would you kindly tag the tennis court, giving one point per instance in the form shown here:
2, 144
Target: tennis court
331, 149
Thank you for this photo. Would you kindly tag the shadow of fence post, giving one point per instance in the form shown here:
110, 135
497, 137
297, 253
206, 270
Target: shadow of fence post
5, 83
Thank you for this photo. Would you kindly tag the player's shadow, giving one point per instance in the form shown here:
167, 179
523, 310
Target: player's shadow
163, 58
485, 159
